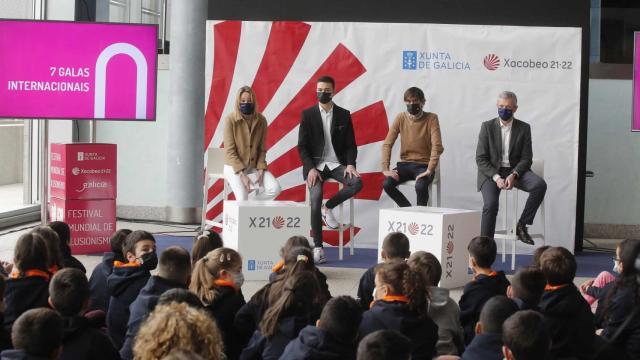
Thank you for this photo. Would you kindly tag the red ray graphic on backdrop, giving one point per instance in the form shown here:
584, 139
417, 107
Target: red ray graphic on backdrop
285, 41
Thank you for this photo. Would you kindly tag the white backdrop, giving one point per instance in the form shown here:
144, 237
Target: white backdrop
461, 78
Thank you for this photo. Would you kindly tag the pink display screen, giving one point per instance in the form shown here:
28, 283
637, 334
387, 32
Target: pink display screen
69, 70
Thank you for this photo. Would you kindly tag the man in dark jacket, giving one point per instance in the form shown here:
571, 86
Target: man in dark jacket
174, 271
327, 148
69, 296
504, 157
333, 337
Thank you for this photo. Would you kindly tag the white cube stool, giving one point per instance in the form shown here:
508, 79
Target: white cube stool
341, 225
509, 205
214, 171
435, 184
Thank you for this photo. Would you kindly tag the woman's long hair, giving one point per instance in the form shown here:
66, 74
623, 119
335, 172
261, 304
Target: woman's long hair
207, 271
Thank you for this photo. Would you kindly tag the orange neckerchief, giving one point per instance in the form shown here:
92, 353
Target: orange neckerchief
554, 288
278, 266
391, 298
54, 269
491, 274
120, 264
227, 283
30, 273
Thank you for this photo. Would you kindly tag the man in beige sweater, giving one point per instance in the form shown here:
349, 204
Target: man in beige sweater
420, 149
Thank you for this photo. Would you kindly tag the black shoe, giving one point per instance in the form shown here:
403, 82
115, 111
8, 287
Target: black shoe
523, 234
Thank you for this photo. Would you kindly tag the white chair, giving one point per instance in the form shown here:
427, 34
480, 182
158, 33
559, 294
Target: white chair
434, 188
509, 205
214, 171
341, 225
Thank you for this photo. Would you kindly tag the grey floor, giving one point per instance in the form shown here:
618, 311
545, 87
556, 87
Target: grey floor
342, 281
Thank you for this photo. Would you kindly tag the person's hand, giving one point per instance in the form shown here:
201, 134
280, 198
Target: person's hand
585, 285
424, 174
392, 174
510, 181
260, 179
351, 171
500, 183
313, 177
246, 182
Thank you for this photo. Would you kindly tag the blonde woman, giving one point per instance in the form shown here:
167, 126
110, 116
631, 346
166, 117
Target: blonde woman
178, 327
245, 132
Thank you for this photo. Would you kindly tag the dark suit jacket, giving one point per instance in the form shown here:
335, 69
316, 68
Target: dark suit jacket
489, 150
311, 138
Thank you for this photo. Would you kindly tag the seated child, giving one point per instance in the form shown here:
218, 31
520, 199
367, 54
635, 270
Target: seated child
443, 310
69, 296
486, 283
487, 344
384, 345
525, 336
36, 335
98, 280
395, 246
204, 243
127, 279
333, 337
401, 304
526, 288
64, 234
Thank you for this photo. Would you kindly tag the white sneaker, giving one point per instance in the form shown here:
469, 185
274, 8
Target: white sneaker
329, 219
318, 256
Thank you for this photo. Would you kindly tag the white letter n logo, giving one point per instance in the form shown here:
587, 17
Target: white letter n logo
101, 78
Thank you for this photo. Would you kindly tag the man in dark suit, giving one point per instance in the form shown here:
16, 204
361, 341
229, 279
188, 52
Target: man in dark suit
504, 159
327, 148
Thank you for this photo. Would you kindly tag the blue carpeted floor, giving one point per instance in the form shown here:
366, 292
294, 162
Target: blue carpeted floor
590, 264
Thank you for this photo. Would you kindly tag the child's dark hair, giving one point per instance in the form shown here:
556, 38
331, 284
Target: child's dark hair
30, 253
536, 255
403, 280
175, 264
204, 243
526, 335
629, 276
483, 250
52, 241
179, 295
494, 312
38, 332
384, 345
132, 239
528, 285
296, 298
327, 79
341, 318
62, 229
428, 265
396, 246
117, 242
69, 291
293, 242
558, 266
207, 270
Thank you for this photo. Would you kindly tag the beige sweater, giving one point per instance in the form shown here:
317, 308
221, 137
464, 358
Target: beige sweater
420, 140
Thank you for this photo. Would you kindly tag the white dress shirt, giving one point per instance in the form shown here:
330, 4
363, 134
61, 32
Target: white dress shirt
329, 157
505, 130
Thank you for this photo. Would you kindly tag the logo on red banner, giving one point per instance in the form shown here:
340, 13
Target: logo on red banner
491, 62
